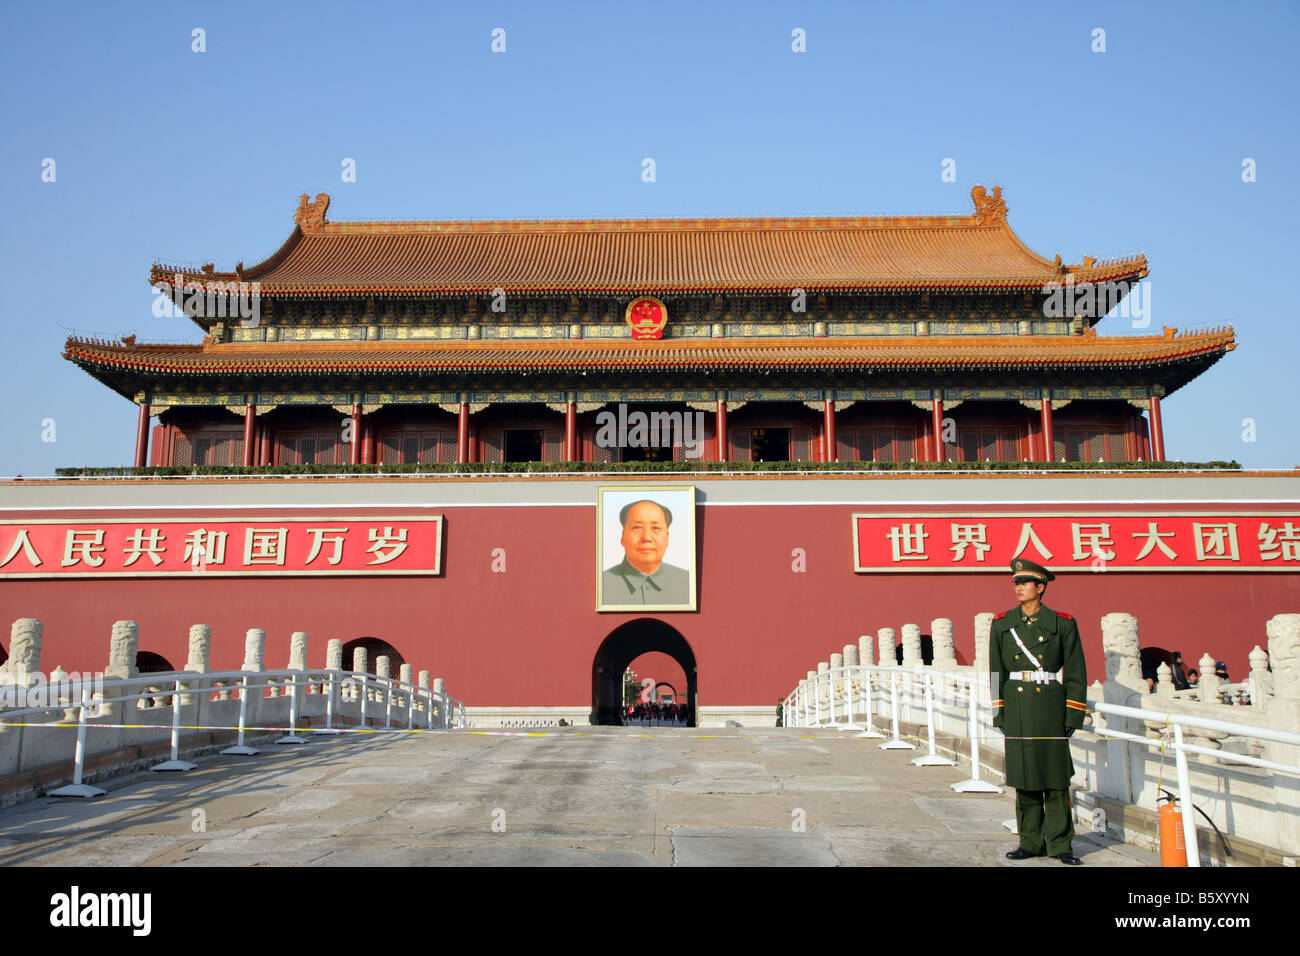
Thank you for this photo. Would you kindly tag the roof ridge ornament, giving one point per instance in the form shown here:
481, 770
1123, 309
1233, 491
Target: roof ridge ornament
310, 216
989, 210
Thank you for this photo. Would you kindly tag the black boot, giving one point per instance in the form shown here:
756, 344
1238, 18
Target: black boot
1069, 859
1019, 853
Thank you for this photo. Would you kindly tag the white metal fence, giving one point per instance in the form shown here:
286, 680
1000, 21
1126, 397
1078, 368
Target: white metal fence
349, 702
851, 698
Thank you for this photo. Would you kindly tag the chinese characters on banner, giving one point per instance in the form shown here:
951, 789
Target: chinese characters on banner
164, 547
1179, 541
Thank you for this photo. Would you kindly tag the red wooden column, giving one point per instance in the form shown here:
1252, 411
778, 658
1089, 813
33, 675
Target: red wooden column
368, 442
570, 431
142, 437
832, 451
936, 430
250, 435
354, 451
1144, 438
462, 433
1049, 442
1157, 431
264, 451
720, 432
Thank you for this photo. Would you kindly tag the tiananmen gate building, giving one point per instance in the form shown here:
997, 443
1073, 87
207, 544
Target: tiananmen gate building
849, 343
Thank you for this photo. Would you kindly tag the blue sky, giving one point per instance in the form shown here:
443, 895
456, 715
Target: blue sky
163, 153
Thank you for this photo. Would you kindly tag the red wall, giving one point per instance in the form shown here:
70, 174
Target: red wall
528, 636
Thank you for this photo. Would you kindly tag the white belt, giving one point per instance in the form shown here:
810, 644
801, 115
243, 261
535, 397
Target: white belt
1037, 677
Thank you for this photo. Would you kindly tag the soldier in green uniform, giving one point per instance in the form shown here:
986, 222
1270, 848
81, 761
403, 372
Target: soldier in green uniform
1039, 680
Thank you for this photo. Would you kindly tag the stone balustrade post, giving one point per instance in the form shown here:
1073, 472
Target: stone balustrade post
254, 664
441, 710
1207, 690
424, 685
381, 671
405, 675
61, 690
1164, 681
888, 649
866, 650
24, 662
361, 665
122, 647
837, 679
1120, 776
333, 660
912, 646
945, 650
298, 660
1261, 678
1283, 713
196, 662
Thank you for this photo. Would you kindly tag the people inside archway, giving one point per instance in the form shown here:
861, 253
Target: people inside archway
643, 577
657, 714
1179, 672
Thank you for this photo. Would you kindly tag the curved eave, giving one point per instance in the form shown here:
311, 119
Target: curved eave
115, 365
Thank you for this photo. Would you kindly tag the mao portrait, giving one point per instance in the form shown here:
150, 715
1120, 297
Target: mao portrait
646, 548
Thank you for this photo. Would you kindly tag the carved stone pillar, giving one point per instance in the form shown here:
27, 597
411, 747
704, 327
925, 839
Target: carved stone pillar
1121, 775
888, 649
24, 652
865, 648
945, 651
1283, 713
197, 660
912, 645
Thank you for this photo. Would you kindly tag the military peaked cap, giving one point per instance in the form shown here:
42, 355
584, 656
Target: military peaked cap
1023, 570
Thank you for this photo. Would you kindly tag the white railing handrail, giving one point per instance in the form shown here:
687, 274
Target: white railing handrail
1193, 722
158, 681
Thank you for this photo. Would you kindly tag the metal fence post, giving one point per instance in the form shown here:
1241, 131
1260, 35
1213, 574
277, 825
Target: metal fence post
329, 701
77, 788
1185, 799
293, 737
932, 759
975, 784
175, 763
895, 742
870, 732
239, 750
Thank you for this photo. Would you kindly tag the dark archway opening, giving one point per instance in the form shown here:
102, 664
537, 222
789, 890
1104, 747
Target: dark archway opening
147, 662
670, 697
374, 649
1152, 658
4, 655
623, 645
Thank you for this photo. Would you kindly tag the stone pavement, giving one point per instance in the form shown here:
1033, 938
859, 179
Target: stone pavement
459, 798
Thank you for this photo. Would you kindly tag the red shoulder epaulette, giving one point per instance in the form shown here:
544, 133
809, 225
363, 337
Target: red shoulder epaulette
1068, 617
999, 614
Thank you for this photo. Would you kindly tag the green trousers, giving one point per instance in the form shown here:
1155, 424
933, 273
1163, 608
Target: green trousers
1044, 821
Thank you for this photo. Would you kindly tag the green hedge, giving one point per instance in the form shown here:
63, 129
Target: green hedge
642, 467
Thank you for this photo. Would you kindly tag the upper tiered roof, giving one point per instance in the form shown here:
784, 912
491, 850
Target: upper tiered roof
649, 256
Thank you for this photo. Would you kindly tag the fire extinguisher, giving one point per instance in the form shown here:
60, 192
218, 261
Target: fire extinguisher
1173, 849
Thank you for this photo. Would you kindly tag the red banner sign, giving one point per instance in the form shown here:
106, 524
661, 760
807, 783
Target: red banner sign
164, 547
1171, 541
